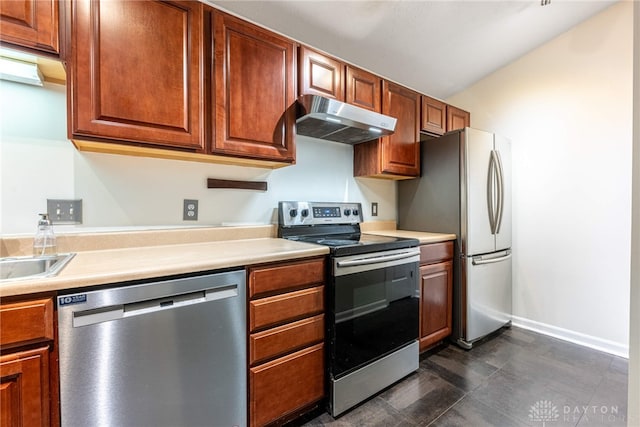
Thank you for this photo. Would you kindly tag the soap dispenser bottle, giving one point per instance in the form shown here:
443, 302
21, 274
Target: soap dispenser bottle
44, 243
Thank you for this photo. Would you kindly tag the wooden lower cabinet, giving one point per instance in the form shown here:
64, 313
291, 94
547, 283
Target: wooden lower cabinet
24, 388
286, 307
436, 293
286, 339
283, 385
28, 364
278, 278
436, 287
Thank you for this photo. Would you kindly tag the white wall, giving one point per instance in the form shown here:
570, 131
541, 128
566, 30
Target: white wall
633, 414
567, 107
38, 162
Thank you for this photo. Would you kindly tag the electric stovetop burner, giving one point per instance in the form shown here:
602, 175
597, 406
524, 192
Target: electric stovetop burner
336, 225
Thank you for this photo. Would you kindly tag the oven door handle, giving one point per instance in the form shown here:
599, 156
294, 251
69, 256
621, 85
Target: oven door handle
376, 259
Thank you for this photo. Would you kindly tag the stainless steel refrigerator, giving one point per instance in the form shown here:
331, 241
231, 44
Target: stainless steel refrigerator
465, 189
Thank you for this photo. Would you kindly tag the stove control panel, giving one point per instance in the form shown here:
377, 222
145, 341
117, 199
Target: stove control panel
314, 213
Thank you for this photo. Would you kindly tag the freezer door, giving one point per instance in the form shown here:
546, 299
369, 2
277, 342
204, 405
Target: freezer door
488, 294
502, 148
476, 230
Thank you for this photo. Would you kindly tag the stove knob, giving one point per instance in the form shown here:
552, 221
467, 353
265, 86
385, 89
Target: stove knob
355, 212
304, 213
347, 212
293, 213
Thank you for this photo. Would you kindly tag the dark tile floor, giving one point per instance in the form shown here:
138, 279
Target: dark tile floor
515, 378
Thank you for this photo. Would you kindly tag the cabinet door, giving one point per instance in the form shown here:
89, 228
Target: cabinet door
30, 24
320, 74
286, 384
24, 388
401, 150
135, 72
434, 116
363, 89
254, 91
436, 300
457, 118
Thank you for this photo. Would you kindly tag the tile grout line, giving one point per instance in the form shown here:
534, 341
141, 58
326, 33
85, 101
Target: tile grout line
448, 409
466, 393
593, 394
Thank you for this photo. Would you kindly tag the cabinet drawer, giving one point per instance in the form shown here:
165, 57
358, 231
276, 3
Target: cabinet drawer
297, 380
26, 322
286, 307
264, 280
436, 252
286, 338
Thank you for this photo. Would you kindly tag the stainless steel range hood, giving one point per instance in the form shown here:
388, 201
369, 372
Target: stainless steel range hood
333, 120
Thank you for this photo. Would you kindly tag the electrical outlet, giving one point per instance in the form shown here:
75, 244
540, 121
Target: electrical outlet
374, 208
190, 210
63, 211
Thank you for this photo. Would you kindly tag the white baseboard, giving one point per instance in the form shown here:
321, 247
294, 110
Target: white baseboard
572, 336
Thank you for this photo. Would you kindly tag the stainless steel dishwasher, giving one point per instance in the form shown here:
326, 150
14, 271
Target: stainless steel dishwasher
167, 353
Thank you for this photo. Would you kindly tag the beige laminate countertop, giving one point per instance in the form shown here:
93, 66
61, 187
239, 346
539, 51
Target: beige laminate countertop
101, 267
424, 237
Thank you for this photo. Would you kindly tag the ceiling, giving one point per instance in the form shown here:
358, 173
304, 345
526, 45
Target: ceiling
435, 47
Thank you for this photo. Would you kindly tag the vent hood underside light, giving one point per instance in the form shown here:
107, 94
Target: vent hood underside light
333, 120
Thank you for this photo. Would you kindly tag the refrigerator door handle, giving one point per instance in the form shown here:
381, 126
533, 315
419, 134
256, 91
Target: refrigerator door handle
490, 192
480, 261
500, 173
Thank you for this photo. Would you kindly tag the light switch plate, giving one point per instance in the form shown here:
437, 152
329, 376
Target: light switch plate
374, 208
64, 211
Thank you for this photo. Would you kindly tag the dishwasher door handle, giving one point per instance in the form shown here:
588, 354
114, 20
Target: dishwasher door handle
99, 315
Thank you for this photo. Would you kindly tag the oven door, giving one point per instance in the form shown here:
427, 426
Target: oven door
373, 307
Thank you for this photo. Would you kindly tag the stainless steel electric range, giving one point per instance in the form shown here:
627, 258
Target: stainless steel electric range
372, 299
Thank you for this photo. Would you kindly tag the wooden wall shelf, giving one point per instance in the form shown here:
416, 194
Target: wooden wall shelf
242, 185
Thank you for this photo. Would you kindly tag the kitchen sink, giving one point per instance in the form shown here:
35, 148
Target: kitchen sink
15, 268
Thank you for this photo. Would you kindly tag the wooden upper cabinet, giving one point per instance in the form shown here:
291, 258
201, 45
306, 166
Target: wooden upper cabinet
320, 74
31, 24
396, 156
457, 118
255, 91
401, 150
136, 72
363, 89
434, 116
